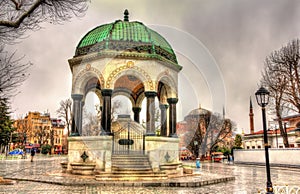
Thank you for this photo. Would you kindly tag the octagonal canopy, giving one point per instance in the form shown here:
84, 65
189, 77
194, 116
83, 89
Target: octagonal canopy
126, 36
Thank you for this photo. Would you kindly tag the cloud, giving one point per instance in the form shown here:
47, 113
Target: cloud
239, 34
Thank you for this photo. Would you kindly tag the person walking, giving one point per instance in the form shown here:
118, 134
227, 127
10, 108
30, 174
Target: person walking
32, 153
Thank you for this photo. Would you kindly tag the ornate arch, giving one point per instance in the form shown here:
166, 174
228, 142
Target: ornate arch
83, 76
124, 93
140, 100
127, 69
169, 83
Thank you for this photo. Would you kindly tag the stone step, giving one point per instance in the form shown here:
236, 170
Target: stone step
131, 164
139, 166
130, 158
130, 176
129, 155
121, 163
129, 172
136, 163
133, 170
130, 161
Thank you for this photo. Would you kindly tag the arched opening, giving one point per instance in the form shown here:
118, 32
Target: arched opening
157, 115
91, 108
128, 135
91, 115
121, 105
130, 86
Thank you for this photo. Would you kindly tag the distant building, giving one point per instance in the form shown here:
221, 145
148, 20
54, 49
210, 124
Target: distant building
195, 125
37, 129
255, 140
58, 127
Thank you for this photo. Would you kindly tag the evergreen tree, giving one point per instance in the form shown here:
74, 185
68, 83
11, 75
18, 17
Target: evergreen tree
5, 123
238, 141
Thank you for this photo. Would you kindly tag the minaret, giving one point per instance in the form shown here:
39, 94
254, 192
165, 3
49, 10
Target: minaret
251, 118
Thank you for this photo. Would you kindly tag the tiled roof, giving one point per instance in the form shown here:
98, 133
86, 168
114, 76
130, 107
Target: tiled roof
125, 36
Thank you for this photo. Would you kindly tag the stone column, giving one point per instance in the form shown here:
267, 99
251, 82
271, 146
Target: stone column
136, 114
150, 117
76, 116
106, 112
172, 116
80, 117
163, 119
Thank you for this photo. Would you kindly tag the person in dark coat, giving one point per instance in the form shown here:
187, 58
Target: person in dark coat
32, 153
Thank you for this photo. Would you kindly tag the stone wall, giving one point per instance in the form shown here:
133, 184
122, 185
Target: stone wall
98, 149
288, 157
161, 150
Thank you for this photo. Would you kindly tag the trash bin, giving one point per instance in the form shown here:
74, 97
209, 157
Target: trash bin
197, 162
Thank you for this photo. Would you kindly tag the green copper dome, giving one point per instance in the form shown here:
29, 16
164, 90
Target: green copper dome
128, 37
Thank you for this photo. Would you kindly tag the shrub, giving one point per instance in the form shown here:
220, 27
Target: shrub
46, 149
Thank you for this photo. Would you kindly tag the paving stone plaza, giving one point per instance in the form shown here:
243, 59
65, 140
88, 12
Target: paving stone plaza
44, 176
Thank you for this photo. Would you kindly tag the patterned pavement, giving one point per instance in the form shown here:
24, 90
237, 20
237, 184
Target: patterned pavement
248, 179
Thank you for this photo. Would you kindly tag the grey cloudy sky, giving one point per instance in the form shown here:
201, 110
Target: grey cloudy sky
235, 35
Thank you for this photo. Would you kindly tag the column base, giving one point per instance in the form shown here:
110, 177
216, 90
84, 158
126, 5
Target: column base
173, 135
105, 133
150, 134
74, 134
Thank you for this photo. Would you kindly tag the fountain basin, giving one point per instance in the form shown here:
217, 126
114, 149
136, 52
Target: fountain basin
64, 166
83, 168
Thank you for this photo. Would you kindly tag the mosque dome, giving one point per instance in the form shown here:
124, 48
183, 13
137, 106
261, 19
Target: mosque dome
197, 113
200, 111
131, 38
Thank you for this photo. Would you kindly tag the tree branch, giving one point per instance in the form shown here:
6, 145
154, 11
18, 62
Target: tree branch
17, 23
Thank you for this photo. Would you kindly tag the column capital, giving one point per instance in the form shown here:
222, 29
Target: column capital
106, 92
136, 109
164, 106
150, 94
76, 96
172, 100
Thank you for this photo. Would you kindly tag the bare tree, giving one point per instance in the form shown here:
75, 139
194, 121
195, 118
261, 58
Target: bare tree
16, 18
43, 134
19, 16
23, 127
282, 77
275, 78
290, 57
157, 121
65, 111
12, 73
220, 131
91, 124
116, 109
205, 131
285, 64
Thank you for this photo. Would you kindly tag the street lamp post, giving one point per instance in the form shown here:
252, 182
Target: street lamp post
262, 98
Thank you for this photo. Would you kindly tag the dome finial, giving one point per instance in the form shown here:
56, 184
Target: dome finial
126, 13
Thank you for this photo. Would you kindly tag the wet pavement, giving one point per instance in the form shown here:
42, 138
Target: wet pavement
248, 179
